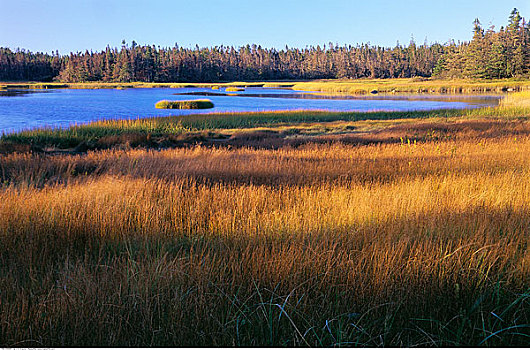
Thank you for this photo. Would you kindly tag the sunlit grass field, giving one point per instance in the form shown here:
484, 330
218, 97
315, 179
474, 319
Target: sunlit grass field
396, 230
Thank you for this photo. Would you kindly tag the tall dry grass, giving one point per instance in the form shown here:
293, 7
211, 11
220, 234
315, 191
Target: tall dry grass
394, 244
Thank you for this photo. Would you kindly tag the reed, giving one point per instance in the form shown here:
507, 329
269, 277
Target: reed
404, 244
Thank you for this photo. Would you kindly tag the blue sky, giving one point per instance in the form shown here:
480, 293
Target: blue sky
76, 25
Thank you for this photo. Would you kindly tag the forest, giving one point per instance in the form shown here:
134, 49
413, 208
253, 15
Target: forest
490, 54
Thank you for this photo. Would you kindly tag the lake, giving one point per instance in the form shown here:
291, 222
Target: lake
24, 109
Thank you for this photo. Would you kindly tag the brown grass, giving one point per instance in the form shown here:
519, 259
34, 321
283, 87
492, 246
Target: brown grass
402, 244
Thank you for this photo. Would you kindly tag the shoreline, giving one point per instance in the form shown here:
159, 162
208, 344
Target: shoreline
351, 87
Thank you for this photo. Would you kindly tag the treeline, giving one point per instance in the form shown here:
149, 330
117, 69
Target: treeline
24, 65
489, 54
251, 62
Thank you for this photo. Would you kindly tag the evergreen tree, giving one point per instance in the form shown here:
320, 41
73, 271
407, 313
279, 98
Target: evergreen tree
514, 20
491, 55
478, 32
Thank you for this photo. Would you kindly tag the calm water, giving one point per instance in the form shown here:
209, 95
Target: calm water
64, 107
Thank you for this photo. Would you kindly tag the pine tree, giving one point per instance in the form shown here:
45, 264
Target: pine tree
478, 32
514, 20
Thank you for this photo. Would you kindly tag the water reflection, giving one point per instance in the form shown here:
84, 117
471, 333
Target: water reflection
18, 92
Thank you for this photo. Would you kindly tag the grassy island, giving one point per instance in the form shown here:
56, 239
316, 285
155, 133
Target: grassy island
234, 89
187, 104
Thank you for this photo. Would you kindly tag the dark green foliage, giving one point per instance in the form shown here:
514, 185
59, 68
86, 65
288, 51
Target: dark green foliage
251, 62
490, 55
25, 66
515, 20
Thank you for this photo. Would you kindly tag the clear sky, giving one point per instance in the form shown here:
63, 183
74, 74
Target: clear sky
76, 25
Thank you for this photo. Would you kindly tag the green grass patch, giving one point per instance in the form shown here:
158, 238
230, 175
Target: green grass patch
502, 111
102, 132
94, 133
187, 104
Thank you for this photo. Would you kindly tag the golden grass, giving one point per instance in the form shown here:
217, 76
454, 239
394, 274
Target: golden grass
404, 85
279, 85
388, 244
